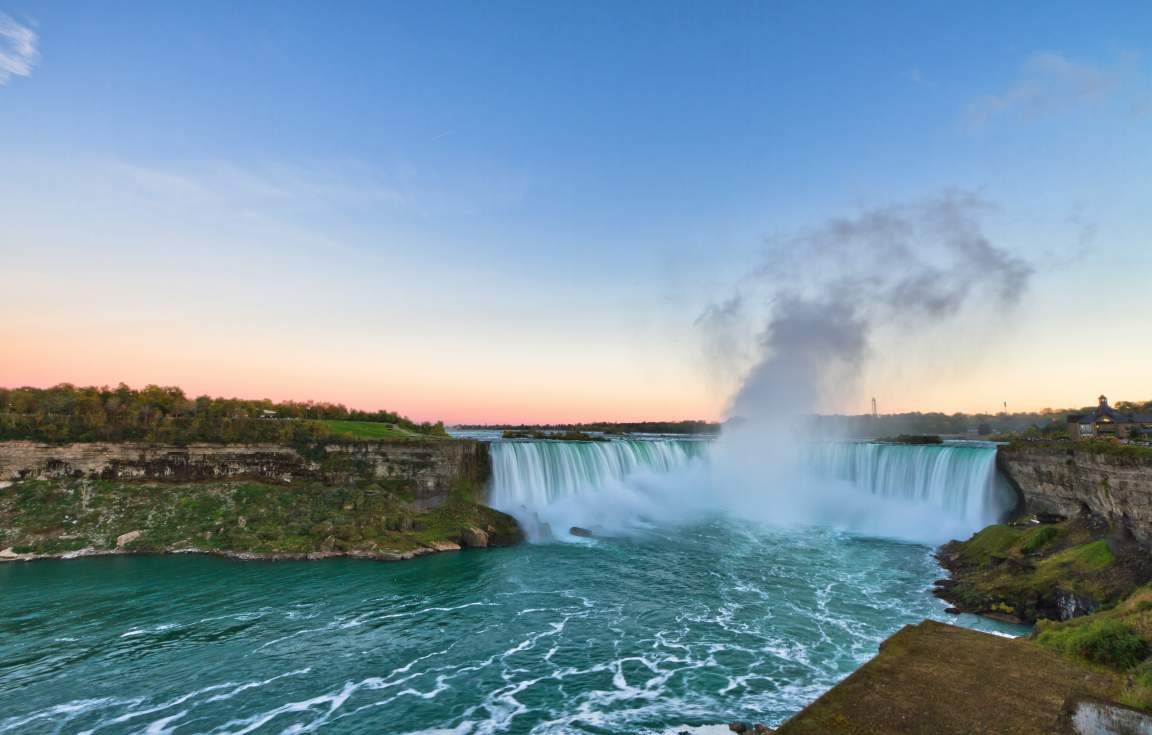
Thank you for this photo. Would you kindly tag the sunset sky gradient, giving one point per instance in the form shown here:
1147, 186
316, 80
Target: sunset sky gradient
518, 211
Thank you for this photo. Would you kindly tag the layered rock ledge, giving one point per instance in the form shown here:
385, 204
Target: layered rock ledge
387, 500
1070, 478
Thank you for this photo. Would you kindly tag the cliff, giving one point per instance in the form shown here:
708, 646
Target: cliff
382, 499
936, 679
1067, 478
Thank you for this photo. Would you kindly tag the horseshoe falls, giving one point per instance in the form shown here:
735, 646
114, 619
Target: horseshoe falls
958, 480
550, 485
545, 471
691, 606
610, 485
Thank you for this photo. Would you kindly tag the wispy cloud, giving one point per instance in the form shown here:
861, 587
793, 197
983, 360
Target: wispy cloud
19, 50
1050, 82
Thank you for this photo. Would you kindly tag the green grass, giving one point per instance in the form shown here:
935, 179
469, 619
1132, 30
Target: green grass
1085, 446
372, 430
1024, 571
1086, 558
1038, 538
49, 517
1099, 640
992, 541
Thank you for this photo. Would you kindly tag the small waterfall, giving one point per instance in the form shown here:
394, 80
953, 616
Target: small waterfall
958, 480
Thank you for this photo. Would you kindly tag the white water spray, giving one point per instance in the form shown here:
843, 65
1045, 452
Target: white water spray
921, 493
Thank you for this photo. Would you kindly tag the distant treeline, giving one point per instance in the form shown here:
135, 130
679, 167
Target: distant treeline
610, 427
65, 413
1046, 422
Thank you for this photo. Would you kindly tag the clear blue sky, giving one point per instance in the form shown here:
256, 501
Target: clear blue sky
517, 210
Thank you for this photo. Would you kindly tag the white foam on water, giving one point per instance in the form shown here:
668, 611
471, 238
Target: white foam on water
927, 493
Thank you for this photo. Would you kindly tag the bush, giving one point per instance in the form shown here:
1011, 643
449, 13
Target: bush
1039, 538
1107, 642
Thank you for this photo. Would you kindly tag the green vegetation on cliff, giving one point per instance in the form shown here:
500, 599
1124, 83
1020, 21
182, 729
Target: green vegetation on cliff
47, 517
944, 680
378, 430
1109, 447
66, 413
1117, 639
1048, 571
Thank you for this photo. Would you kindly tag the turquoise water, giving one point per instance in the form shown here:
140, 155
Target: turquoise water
674, 627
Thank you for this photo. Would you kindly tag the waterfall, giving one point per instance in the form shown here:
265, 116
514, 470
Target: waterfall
536, 474
612, 486
957, 479
552, 485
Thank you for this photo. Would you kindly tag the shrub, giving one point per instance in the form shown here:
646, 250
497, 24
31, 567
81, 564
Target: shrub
1107, 642
992, 541
1038, 538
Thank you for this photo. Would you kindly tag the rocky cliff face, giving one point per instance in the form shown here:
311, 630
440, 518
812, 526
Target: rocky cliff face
1065, 480
432, 468
385, 500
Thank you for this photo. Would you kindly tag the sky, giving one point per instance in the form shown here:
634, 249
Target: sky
525, 211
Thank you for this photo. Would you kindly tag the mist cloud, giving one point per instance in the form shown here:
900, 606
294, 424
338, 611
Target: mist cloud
827, 288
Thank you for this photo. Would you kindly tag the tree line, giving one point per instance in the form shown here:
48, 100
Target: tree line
67, 413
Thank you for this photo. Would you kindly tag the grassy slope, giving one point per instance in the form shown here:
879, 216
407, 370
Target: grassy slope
1117, 639
1020, 570
373, 430
47, 517
1017, 571
1110, 447
935, 679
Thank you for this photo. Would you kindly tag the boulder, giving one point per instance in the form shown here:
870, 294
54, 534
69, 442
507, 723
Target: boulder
474, 538
1072, 605
9, 553
581, 532
126, 538
738, 727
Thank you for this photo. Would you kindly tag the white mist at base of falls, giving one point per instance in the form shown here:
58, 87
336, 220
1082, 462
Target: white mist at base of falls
924, 493
612, 486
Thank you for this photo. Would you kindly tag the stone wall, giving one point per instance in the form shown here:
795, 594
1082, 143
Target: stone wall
1064, 480
433, 467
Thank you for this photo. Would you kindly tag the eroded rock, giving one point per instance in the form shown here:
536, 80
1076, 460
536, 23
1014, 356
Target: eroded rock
474, 538
126, 538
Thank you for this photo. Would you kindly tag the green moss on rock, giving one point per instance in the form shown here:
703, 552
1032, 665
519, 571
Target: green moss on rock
1042, 572
1097, 639
374, 516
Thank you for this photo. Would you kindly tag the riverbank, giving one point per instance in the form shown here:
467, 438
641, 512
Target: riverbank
1075, 563
380, 500
935, 679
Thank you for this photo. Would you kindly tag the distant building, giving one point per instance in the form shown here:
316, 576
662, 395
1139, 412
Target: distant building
267, 414
1105, 421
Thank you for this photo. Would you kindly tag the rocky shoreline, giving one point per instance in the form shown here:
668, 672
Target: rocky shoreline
382, 500
1043, 568
472, 538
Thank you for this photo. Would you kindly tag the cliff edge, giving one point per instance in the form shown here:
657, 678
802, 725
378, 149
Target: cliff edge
1069, 478
373, 499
